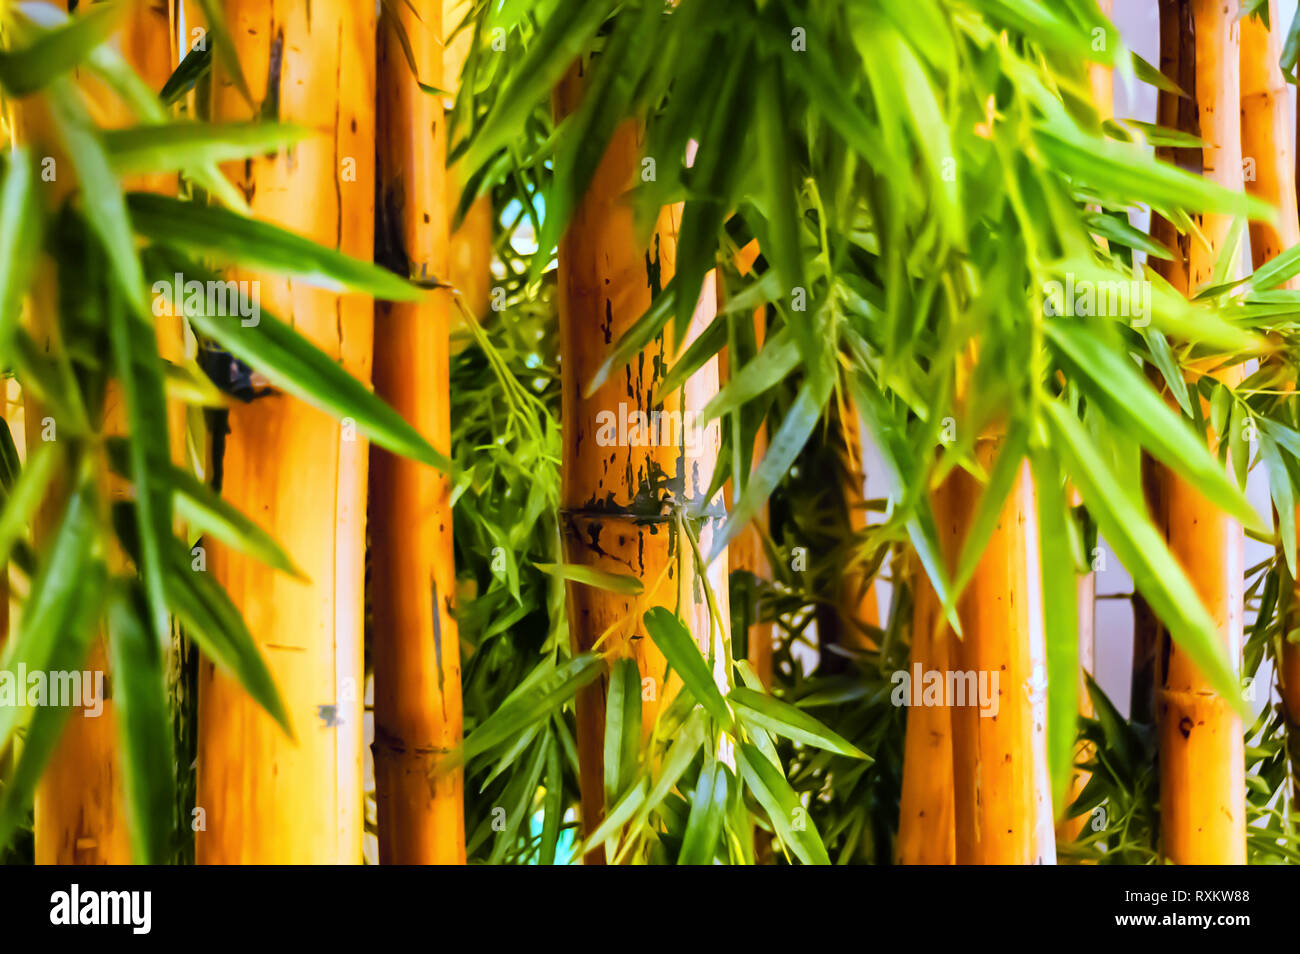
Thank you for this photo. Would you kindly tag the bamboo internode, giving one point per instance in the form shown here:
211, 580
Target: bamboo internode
621, 503
267, 797
415, 643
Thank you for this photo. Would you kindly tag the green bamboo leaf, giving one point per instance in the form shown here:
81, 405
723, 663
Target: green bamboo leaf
1283, 496
785, 232
135, 355
168, 147
233, 239
552, 805
10, 466
1162, 357
589, 576
563, 38
144, 724
684, 656
70, 647
622, 728
708, 809
207, 513
786, 444
518, 800
1120, 232
101, 191
196, 64
48, 636
20, 238
1113, 383
53, 52
227, 54
1142, 551
26, 495
700, 351
612, 824
1060, 621
1291, 49
789, 817
686, 743
772, 365
550, 690
216, 626
789, 721
293, 364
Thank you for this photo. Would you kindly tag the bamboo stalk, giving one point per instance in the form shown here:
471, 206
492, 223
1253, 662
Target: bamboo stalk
618, 496
269, 798
79, 809
1266, 128
1202, 774
469, 259
926, 832
414, 644
1001, 796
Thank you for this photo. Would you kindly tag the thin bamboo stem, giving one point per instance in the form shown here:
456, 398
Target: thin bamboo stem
414, 644
1202, 774
1266, 127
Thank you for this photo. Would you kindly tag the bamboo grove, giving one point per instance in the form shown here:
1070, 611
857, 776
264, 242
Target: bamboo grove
619, 431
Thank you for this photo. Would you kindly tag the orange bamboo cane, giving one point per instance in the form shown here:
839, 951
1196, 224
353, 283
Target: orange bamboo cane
1266, 150
616, 492
267, 797
79, 812
926, 833
415, 647
469, 266
1202, 780
1002, 800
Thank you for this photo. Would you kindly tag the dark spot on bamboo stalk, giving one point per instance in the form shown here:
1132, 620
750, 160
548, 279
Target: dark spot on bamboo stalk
275, 66
1185, 727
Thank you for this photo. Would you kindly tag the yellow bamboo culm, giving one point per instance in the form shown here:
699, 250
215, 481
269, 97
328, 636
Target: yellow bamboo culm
613, 490
79, 809
1266, 126
469, 259
1202, 775
1001, 794
265, 797
926, 832
414, 644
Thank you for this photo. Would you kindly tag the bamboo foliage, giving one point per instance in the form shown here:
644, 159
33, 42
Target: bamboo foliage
625, 448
